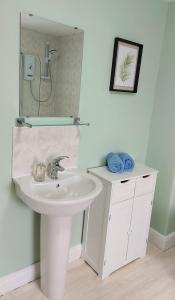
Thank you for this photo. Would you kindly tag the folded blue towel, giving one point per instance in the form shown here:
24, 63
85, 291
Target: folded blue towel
128, 161
114, 163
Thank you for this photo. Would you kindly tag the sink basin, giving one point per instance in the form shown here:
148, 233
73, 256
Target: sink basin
57, 201
71, 193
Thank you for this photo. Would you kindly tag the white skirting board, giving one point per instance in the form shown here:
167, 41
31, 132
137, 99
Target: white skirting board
163, 242
17, 279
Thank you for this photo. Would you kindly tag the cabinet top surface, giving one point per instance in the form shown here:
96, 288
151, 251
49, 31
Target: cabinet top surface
139, 170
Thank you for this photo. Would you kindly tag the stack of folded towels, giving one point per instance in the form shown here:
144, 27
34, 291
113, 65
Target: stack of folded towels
119, 162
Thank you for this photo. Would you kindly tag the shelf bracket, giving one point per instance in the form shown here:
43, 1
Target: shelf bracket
20, 122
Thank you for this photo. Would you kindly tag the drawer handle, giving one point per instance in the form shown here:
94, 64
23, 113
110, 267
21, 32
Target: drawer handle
146, 176
124, 181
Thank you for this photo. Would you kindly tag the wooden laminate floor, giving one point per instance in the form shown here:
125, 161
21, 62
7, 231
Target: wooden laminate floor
150, 278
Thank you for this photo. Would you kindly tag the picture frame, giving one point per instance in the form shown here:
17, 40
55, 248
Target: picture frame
126, 64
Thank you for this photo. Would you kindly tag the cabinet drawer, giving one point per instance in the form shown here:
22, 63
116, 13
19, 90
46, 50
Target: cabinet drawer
122, 190
145, 184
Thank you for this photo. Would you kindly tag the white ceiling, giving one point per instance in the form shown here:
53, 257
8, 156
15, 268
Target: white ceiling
46, 26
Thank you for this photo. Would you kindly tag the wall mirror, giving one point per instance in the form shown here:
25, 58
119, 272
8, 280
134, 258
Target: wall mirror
50, 68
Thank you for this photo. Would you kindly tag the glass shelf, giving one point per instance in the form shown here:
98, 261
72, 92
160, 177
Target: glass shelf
48, 122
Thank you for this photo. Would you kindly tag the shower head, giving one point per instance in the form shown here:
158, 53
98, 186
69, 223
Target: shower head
52, 51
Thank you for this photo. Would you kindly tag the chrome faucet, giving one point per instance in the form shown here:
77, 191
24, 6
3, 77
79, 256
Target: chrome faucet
54, 166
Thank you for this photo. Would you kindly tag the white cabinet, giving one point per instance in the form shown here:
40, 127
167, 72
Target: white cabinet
117, 222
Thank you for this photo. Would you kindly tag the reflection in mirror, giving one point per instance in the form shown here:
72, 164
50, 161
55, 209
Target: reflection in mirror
50, 68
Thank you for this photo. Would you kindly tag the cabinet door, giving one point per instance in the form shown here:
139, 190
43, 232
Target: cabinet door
117, 235
140, 223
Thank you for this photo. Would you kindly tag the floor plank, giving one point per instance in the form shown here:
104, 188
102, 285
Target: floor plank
150, 278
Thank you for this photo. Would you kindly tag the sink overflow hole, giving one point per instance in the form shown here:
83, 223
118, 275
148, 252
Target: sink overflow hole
57, 186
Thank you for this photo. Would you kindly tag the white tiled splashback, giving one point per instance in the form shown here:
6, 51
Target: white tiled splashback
32, 145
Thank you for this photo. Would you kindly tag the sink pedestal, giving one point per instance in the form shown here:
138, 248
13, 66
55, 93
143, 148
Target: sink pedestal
55, 239
57, 201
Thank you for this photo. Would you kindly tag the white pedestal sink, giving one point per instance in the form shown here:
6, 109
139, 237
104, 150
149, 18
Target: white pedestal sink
57, 201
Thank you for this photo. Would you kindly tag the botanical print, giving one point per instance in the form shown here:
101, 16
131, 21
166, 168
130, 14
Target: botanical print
124, 67
126, 63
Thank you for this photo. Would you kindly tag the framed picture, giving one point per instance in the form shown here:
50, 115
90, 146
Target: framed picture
126, 63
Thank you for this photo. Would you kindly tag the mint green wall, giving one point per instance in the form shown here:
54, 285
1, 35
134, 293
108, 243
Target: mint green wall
161, 149
118, 121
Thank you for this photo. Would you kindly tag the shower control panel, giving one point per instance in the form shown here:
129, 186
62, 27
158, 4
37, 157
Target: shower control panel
28, 66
